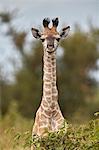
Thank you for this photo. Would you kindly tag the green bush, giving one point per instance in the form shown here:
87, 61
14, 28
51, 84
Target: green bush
84, 137
15, 134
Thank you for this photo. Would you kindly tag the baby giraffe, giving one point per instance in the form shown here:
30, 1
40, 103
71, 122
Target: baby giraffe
48, 115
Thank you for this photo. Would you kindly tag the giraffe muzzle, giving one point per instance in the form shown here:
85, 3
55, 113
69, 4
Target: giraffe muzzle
50, 46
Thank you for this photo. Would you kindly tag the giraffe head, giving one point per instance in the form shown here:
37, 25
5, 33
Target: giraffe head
50, 37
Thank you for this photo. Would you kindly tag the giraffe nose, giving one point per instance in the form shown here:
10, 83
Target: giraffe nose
50, 46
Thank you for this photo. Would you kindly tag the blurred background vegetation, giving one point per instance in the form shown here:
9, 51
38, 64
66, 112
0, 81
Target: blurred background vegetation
76, 63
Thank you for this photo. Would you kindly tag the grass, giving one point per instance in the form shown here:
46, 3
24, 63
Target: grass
15, 134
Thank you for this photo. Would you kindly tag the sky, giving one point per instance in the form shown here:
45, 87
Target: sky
31, 12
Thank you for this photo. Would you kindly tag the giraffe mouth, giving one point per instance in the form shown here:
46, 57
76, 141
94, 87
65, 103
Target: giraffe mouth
50, 51
50, 48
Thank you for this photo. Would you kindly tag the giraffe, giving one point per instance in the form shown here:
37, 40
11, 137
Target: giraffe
49, 116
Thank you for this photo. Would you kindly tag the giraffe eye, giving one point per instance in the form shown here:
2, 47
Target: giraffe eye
58, 39
42, 40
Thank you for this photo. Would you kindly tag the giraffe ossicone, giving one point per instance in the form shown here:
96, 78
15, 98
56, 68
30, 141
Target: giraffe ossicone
49, 116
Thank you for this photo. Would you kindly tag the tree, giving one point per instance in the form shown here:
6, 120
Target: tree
5, 94
28, 88
75, 83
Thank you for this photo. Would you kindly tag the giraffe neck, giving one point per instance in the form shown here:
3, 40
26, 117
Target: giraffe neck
50, 93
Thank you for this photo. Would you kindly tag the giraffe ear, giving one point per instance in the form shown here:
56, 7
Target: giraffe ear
64, 32
36, 33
